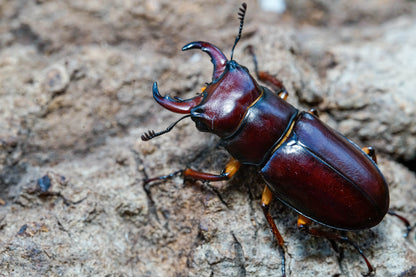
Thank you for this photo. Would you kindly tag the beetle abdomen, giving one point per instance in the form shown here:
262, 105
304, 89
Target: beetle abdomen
262, 127
327, 178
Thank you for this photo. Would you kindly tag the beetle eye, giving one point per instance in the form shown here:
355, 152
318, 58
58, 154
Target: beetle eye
201, 126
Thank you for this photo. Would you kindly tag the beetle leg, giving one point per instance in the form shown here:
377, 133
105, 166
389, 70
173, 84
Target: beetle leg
314, 112
230, 169
267, 77
404, 220
274, 82
283, 94
370, 151
304, 223
266, 199
161, 178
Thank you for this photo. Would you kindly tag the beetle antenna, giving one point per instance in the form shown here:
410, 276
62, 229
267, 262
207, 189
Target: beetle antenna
242, 14
151, 134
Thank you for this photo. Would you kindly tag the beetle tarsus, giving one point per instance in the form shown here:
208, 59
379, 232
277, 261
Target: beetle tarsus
404, 220
303, 225
161, 178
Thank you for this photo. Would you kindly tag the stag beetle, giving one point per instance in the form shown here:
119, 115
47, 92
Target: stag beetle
305, 164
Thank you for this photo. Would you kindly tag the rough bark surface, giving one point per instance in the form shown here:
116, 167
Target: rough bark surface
75, 96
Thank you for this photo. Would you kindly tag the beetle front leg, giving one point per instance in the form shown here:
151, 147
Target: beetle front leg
267, 77
266, 199
304, 223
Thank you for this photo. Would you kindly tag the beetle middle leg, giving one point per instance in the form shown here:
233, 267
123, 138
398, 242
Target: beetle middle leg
266, 199
304, 225
267, 77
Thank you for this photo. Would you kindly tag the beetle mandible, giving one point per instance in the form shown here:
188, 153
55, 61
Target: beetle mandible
305, 164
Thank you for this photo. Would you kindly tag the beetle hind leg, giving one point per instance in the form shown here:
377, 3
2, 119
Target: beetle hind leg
304, 225
404, 220
266, 199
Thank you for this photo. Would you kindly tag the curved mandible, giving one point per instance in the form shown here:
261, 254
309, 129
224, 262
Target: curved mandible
217, 57
177, 106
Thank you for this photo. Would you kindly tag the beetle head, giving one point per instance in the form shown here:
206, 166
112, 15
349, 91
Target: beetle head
225, 99
222, 105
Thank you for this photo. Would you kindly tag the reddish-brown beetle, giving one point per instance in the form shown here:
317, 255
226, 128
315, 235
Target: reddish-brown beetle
307, 165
